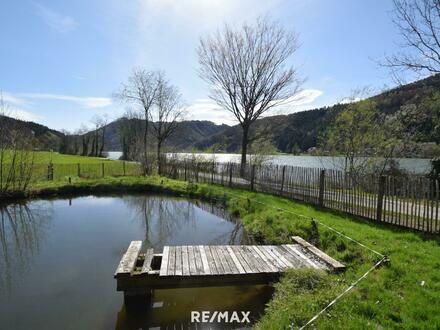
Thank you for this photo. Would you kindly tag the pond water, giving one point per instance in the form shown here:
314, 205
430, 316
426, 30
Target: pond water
58, 257
416, 165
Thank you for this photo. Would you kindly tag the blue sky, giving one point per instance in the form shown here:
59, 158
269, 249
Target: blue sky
62, 60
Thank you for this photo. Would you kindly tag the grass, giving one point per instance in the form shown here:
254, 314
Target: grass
404, 294
44, 157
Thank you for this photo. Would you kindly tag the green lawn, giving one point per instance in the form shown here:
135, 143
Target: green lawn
44, 157
404, 294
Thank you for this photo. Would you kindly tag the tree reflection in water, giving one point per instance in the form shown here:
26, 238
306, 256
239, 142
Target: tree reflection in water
22, 227
162, 220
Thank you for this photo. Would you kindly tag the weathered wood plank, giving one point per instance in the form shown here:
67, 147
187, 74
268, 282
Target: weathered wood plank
294, 257
192, 261
185, 261
178, 270
204, 259
172, 261
303, 256
216, 259
268, 263
128, 261
229, 260
279, 254
240, 258
226, 268
198, 260
258, 266
329, 260
164, 265
236, 261
211, 261
274, 259
146, 267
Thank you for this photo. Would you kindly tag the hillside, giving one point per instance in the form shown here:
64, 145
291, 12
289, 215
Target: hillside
287, 133
46, 138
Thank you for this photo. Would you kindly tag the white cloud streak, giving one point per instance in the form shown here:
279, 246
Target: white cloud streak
56, 21
206, 109
88, 102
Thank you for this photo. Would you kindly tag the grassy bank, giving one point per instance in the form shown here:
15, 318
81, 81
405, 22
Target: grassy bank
402, 294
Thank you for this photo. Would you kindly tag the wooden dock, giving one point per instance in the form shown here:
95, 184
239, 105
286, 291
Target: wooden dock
215, 265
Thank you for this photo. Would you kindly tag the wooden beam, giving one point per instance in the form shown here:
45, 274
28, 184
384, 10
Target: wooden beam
128, 261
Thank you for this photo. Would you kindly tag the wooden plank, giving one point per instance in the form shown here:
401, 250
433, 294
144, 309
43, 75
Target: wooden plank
229, 260
272, 258
205, 263
211, 261
146, 267
235, 260
281, 264
303, 257
249, 259
185, 261
240, 258
216, 259
329, 260
294, 257
269, 264
191, 260
164, 265
179, 271
128, 261
258, 261
226, 268
198, 261
279, 253
172, 262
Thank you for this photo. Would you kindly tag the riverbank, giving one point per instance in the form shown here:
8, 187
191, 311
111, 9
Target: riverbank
402, 294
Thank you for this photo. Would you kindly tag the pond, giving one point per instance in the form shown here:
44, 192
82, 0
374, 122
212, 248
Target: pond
58, 257
415, 165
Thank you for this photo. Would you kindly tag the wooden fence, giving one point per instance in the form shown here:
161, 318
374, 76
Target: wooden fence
410, 201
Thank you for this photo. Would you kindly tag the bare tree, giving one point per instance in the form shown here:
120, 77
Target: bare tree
166, 114
16, 152
419, 24
141, 90
246, 68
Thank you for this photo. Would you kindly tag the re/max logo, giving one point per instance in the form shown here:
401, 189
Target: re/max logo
220, 317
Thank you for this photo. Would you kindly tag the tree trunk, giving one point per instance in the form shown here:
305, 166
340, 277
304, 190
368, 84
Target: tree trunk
159, 164
101, 151
145, 143
244, 145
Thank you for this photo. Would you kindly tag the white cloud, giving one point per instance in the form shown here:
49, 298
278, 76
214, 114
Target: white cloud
349, 100
57, 21
11, 99
206, 109
22, 114
88, 102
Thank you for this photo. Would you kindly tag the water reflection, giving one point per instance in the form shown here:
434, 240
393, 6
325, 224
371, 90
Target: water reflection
21, 230
171, 309
163, 220
57, 260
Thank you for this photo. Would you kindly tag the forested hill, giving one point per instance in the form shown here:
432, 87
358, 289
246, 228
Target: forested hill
287, 133
45, 138
300, 131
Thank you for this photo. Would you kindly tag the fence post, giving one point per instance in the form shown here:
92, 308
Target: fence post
252, 176
282, 179
212, 172
102, 169
197, 172
380, 195
321, 187
184, 170
78, 170
230, 174
123, 167
50, 172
